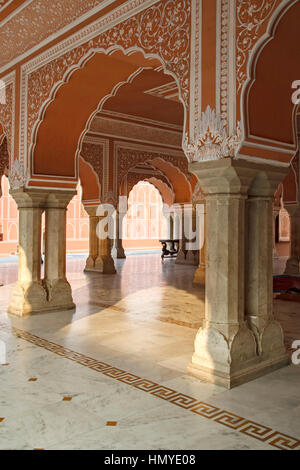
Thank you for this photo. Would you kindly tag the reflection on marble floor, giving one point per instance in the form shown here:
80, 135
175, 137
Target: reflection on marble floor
118, 322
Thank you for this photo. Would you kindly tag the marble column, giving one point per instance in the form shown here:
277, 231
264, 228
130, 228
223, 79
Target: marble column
293, 263
226, 349
186, 256
276, 211
58, 288
104, 262
118, 250
93, 239
199, 277
180, 259
259, 270
29, 295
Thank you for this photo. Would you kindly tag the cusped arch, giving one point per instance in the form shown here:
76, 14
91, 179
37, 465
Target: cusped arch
66, 116
179, 181
91, 188
164, 190
272, 68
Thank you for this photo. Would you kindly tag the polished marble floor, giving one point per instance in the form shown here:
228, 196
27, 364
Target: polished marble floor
112, 374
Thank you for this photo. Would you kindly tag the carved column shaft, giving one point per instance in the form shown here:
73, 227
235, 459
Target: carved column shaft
199, 277
227, 348
58, 288
104, 262
293, 263
31, 294
93, 239
118, 250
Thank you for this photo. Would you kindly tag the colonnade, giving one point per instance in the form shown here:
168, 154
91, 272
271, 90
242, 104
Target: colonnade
240, 339
32, 294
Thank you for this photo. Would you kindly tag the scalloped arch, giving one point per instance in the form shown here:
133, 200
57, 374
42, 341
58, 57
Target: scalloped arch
66, 116
272, 67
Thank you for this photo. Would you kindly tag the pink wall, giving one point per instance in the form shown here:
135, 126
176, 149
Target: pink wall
144, 224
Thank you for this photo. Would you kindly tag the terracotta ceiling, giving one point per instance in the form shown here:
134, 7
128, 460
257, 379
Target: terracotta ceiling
151, 95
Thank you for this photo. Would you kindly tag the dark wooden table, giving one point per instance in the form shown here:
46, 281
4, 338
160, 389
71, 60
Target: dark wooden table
170, 248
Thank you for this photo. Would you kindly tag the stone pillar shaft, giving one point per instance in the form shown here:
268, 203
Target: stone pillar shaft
118, 250
186, 256
259, 288
276, 211
199, 277
104, 262
29, 269
31, 294
58, 289
230, 348
55, 244
293, 263
93, 239
259, 270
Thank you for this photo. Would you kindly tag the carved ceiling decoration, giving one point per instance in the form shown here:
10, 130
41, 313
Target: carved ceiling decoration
93, 154
4, 157
252, 19
162, 30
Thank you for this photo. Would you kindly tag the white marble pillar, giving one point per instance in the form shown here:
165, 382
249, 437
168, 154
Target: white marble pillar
29, 295
259, 270
58, 288
93, 239
104, 262
185, 256
276, 211
118, 250
199, 276
226, 350
293, 263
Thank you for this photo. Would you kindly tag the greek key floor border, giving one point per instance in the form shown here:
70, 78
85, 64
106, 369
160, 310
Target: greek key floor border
243, 425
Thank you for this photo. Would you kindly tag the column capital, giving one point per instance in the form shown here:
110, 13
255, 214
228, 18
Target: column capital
42, 198
26, 198
91, 210
59, 199
235, 176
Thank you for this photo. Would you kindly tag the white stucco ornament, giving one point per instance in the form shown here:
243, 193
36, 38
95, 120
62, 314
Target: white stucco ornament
212, 141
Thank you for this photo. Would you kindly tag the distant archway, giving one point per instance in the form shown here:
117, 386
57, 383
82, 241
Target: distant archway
65, 118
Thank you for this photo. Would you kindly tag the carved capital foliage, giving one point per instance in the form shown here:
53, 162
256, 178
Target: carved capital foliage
212, 141
17, 175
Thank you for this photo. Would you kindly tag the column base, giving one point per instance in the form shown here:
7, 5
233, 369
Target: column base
190, 258
105, 265
59, 295
89, 264
118, 253
292, 266
238, 377
28, 299
199, 277
230, 363
180, 259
